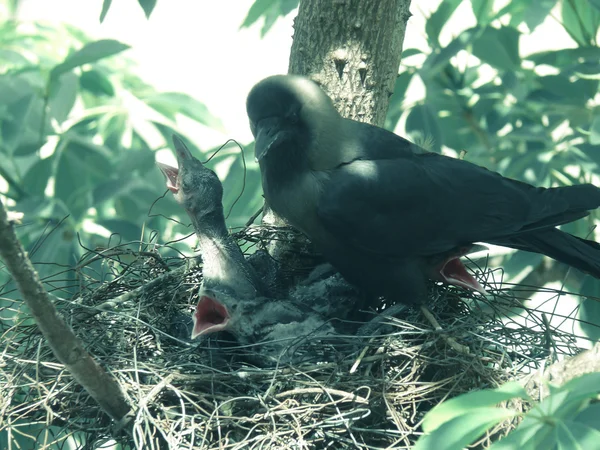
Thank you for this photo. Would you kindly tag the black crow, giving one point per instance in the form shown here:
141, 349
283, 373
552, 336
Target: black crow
390, 215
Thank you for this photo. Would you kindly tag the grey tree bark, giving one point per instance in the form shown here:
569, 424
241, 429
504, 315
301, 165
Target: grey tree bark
352, 48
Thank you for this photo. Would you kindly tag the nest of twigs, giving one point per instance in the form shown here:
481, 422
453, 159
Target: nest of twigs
357, 392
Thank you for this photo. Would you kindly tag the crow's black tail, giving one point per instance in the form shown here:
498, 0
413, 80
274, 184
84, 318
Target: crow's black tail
580, 253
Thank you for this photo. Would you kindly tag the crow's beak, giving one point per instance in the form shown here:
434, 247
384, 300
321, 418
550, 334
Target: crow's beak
210, 316
268, 136
181, 151
170, 174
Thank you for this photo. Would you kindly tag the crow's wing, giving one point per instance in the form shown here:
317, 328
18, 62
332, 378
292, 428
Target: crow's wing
425, 204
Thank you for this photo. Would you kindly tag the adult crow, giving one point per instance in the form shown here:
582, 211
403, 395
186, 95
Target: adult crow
388, 214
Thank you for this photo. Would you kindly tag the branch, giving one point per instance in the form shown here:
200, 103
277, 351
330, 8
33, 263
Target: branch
63, 342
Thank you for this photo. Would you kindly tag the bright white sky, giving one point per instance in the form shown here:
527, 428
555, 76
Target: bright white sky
197, 47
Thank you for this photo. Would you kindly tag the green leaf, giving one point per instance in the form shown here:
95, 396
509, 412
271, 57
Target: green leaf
147, 6
59, 250
589, 310
12, 129
63, 96
572, 435
580, 20
566, 57
411, 52
248, 190
36, 178
590, 416
128, 231
523, 438
438, 60
81, 166
96, 83
483, 9
499, 47
423, 120
139, 160
11, 56
258, 9
89, 53
395, 109
562, 90
536, 12
105, 8
176, 102
595, 131
29, 146
113, 188
438, 19
465, 403
584, 387
462, 430
287, 6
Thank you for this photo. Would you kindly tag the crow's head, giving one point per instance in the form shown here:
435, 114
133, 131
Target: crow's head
194, 186
288, 113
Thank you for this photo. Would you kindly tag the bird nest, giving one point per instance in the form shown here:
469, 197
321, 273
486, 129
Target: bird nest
351, 392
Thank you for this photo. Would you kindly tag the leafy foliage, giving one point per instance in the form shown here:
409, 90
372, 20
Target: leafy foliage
568, 418
530, 117
270, 11
146, 5
74, 122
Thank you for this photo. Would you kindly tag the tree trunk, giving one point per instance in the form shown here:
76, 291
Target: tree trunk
352, 48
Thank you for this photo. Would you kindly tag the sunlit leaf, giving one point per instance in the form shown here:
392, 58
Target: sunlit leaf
438, 60
465, 403
127, 230
572, 435
523, 438
439, 19
580, 19
147, 6
18, 110
590, 416
287, 6
423, 120
90, 53
561, 89
177, 102
81, 165
565, 57
37, 177
586, 386
97, 83
536, 12
105, 7
482, 9
499, 47
258, 9
462, 430
595, 131
408, 52
63, 96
